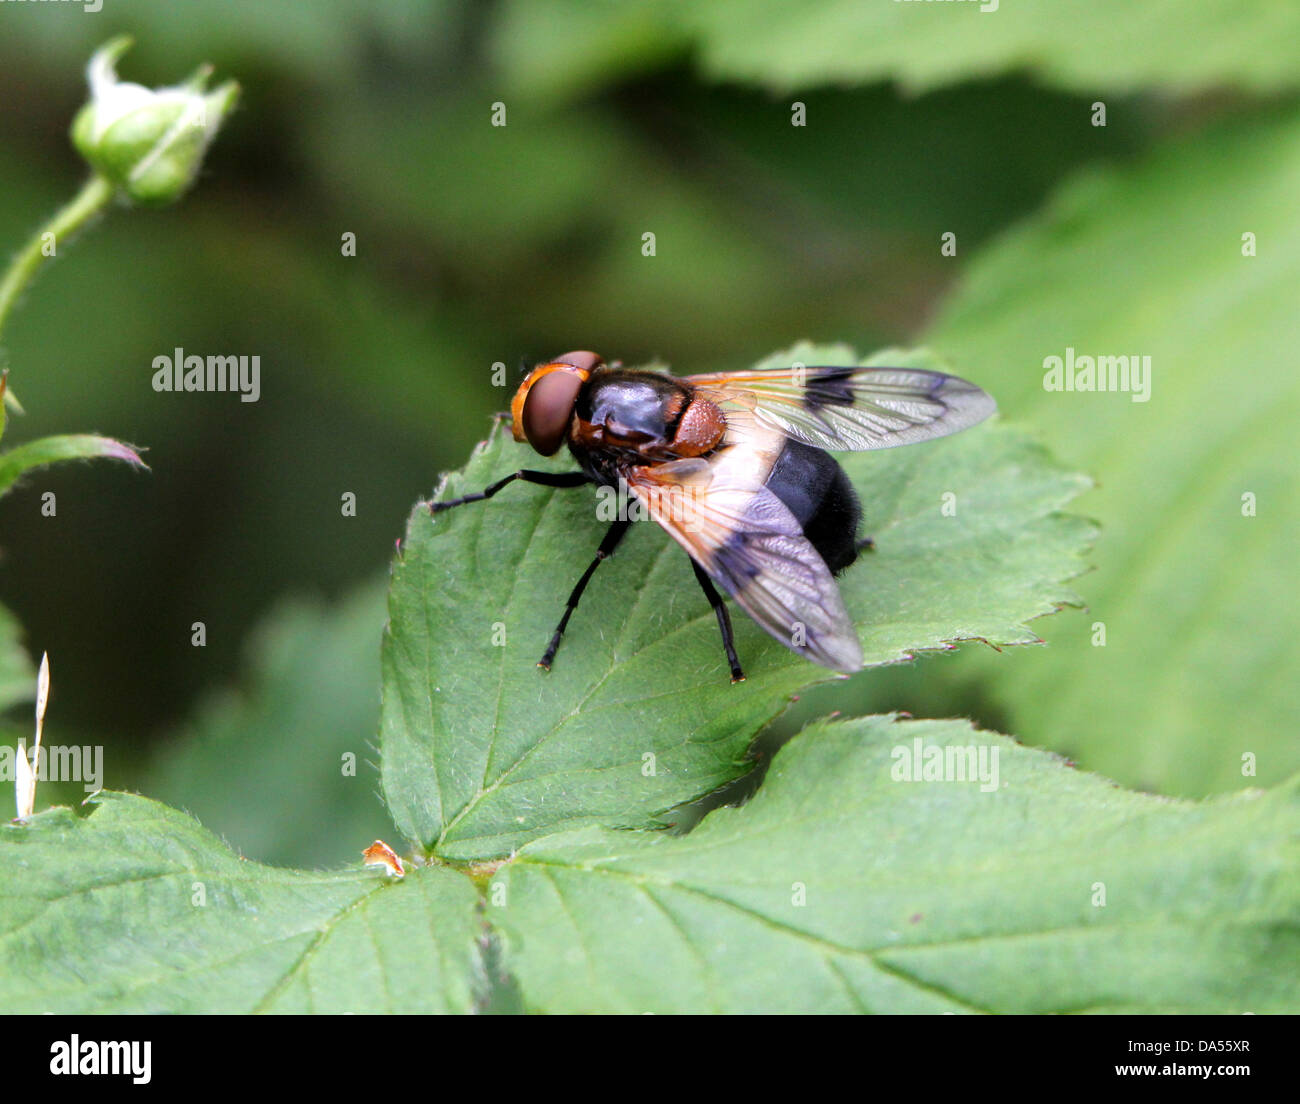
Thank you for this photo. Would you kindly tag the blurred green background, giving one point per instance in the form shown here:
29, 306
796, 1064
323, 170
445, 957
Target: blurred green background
479, 244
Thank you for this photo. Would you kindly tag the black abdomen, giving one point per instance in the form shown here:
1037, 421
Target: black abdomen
815, 489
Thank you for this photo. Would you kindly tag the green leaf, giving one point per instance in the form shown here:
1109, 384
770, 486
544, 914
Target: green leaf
482, 751
1196, 678
307, 712
52, 450
565, 48
940, 896
103, 914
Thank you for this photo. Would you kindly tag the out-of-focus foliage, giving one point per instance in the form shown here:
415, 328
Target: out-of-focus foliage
1198, 488
308, 711
17, 675
1184, 668
565, 47
326, 41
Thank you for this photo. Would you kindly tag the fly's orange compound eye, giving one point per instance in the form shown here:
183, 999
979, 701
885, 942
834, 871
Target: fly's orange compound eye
543, 405
548, 406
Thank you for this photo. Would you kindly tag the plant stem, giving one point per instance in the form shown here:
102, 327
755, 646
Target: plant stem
87, 203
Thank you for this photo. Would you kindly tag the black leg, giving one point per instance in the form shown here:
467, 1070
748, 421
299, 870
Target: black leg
606, 549
724, 620
546, 479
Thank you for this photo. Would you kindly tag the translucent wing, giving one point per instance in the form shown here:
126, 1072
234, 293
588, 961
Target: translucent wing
850, 408
743, 535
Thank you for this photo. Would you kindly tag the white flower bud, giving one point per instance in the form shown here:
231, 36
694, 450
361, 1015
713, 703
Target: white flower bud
149, 143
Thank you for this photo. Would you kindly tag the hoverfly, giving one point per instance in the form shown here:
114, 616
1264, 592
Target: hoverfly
732, 466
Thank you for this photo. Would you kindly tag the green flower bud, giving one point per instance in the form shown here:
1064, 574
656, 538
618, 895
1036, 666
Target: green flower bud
149, 143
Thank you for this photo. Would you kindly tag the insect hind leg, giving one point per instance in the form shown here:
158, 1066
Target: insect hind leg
724, 620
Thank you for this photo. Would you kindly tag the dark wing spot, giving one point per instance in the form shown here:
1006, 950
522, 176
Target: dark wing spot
829, 387
734, 564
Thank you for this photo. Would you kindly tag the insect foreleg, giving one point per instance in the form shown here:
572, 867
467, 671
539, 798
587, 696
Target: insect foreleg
546, 479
